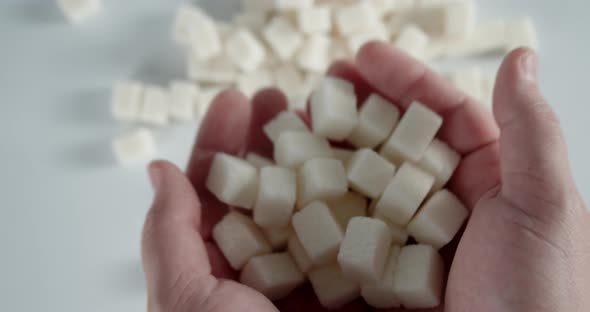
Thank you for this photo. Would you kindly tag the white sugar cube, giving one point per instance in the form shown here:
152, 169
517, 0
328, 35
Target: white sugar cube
285, 5
418, 278
440, 160
278, 236
258, 161
251, 82
377, 119
277, 192
439, 220
289, 80
287, 121
413, 40
77, 11
239, 239
364, 249
451, 19
414, 132
182, 22
381, 295
332, 288
340, 50
333, 109
216, 70
298, 253
292, 149
399, 235
356, 18
314, 55
383, 7
183, 99
342, 154
275, 275
521, 33
245, 50
469, 80
135, 146
282, 37
155, 109
126, 100
319, 232
204, 39
321, 179
487, 37
205, 99
357, 40
314, 20
404, 194
368, 173
233, 181
253, 20
348, 206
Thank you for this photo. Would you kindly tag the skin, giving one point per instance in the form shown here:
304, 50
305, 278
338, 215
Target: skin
526, 246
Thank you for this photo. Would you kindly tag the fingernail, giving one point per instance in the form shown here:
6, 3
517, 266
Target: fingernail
155, 174
529, 66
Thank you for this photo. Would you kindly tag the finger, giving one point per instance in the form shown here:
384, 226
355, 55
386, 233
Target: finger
266, 104
533, 154
222, 130
173, 253
402, 79
304, 299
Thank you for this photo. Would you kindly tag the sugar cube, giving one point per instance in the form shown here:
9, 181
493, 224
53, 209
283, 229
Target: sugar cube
251, 82
377, 119
383, 7
319, 232
298, 253
258, 161
440, 160
381, 294
333, 109
278, 236
205, 99
204, 39
342, 154
155, 107
292, 149
521, 33
286, 121
282, 37
321, 179
216, 70
355, 18
314, 55
357, 40
364, 249
183, 99
399, 235
239, 239
289, 80
414, 132
413, 40
126, 100
134, 146
257, 5
418, 278
404, 194
439, 220
285, 5
450, 19
233, 180
469, 80
486, 37
332, 288
182, 22
253, 20
314, 20
244, 50
275, 275
77, 11
368, 173
348, 206
277, 192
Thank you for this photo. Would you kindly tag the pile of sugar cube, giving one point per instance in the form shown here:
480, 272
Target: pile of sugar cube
289, 44
341, 218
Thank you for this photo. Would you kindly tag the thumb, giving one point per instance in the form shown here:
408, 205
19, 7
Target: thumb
535, 170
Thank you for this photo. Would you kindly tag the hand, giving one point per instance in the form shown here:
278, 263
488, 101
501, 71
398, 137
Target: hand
525, 248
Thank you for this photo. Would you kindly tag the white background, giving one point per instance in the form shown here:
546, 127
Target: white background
70, 217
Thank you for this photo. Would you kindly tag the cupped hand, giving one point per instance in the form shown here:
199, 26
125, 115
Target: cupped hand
526, 246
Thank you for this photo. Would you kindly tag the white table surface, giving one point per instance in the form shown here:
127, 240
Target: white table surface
71, 218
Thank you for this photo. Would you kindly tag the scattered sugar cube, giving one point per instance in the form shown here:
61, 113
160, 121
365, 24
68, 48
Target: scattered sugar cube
234, 181
383, 7
77, 11
277, 192
183, 99
314, 55
314, 20
251, 82
399, 235
258, 161
253, 20
440, 160
414, 133
275, 275
418, 278
321, 179
469, 80
521, 33
289, 80
413, 40
292, 149
204, 39
319, 232
450, 19
368, 173
126, 100
135, 146
377, 119
285, 5
404, 194
342, 154
244, 50
357, 40
282, 37
217, 70
439, 220
239, 239
364, 249
278, 236
298, 253
155, 109
182, 22
348, 206
487, 37
333, 109
332, 288
286, 121
356, 18
205, 99
381, 295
